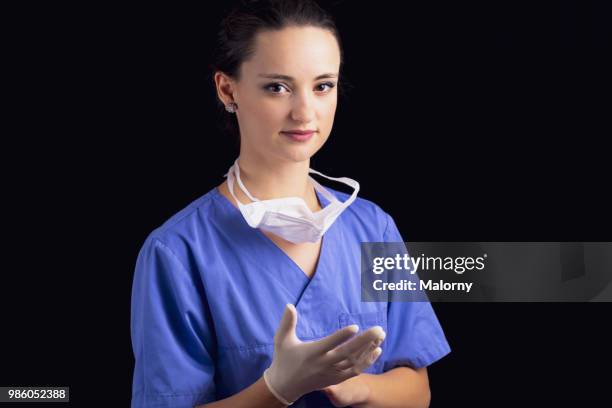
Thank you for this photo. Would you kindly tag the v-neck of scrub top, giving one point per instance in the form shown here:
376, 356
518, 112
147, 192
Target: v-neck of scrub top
295, 280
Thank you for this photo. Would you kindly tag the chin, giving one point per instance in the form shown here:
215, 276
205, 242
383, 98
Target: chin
299, 155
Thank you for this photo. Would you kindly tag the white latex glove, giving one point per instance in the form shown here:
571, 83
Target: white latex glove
301, 367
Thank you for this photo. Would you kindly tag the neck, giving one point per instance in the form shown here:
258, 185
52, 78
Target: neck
266, 179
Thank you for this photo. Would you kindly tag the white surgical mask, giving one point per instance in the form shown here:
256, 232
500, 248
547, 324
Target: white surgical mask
290, 218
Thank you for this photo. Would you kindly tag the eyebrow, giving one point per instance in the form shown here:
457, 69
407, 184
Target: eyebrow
288, 78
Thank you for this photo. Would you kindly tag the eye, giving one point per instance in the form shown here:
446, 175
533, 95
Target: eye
275, 85
328, 84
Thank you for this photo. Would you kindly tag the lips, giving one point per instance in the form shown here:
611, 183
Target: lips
299, 136
298, 131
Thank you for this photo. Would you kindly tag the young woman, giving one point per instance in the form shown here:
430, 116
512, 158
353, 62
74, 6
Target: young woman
250, 296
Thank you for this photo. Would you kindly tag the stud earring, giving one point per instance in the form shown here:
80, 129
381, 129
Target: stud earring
231, 107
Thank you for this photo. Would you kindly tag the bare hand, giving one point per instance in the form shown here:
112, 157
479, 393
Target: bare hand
350, 392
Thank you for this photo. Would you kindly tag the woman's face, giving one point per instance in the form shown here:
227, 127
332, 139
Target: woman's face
304, 99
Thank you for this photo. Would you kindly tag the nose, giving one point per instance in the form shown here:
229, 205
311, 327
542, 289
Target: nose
303, 109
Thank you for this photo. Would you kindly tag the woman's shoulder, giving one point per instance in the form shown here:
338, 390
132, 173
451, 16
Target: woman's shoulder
189, 222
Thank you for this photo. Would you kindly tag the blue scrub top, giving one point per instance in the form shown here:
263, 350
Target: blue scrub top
209, 292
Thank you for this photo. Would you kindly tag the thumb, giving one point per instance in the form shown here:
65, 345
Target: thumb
286, 328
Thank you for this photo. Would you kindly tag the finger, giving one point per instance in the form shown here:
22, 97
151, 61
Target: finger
344, 375
357, 358
368, 360
355, 350
335, 339
286, 327
375, 354
356, 344
365, 353
344, 364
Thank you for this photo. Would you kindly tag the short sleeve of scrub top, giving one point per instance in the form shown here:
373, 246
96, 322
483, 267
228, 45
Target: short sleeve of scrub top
415, 337
209, 292
171, 335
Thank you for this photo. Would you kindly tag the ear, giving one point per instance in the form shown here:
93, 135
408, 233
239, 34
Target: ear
225, 87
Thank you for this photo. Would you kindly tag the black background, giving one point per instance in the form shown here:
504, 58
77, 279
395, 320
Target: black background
465, 121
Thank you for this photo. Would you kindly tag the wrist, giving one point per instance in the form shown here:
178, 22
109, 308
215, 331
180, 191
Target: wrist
363, 396
274, 391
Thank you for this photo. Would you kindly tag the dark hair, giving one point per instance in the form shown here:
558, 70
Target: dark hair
237, 31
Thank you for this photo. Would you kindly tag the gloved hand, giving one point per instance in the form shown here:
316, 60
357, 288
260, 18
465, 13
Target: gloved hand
301, 367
